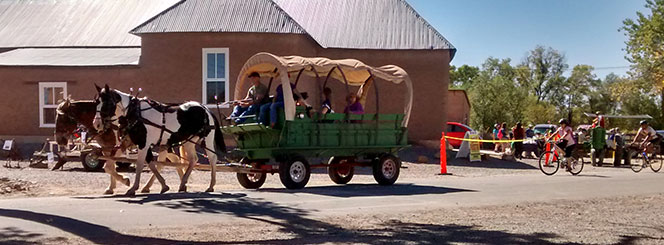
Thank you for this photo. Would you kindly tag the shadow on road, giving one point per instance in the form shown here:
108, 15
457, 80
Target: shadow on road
154, 197
289, 220
366, 190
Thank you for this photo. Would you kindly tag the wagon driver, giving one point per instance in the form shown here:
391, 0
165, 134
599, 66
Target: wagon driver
250, 104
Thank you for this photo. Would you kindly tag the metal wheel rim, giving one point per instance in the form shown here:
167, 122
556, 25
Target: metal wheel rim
343, 171
656, 163
576, 166
297, 170
92, 160
637, 163
389, 168
254, 177
552, 166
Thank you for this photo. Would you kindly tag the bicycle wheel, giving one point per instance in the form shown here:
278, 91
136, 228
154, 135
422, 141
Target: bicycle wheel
576, 166
549, 163
655, 162
637, 163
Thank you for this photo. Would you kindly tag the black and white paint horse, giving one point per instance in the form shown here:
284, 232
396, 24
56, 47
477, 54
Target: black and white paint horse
154, 126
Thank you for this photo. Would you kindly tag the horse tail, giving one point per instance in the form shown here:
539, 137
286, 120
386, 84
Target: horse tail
219, 144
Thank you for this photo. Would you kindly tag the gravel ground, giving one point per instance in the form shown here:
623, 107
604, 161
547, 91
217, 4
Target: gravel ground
633, 220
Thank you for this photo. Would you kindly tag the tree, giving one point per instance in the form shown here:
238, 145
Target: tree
496, 96
576, 89
542, 72
645, 47
463, 76
600, 97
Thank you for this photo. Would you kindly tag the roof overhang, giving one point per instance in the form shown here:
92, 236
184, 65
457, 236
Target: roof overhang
77, 57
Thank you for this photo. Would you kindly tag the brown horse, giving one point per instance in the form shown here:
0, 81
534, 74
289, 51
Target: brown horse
71, 114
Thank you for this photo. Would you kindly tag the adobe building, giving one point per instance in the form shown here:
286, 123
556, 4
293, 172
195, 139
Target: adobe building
458, 106
191, 50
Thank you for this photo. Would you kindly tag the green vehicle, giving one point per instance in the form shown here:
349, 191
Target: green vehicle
346, 140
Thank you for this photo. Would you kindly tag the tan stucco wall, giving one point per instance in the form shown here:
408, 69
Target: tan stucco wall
170, 70
458, 109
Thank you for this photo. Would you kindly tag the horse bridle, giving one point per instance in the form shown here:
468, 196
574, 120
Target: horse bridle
109, 121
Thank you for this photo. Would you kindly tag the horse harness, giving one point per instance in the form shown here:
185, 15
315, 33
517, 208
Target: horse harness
163, 109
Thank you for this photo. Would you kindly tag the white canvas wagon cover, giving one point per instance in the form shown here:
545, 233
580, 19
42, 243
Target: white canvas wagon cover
353, 71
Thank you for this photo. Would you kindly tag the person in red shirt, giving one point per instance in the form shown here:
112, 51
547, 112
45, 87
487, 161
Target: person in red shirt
519, 134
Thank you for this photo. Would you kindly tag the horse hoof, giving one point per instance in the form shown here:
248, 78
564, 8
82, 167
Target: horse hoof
164, 190
130, 193
108, 192
125, 181
145, 190
183, 189
209, 189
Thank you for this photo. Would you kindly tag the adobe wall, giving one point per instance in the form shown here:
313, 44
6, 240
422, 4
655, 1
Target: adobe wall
458, 109
19, 98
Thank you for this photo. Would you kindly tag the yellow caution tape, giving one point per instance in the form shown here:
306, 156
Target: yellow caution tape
479, 140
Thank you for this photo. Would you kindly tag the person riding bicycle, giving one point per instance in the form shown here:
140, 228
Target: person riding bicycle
566, 141
650, 136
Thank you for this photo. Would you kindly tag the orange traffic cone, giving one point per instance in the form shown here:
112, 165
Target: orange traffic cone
443, 156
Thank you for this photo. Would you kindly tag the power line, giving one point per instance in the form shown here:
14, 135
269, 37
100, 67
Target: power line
611, 67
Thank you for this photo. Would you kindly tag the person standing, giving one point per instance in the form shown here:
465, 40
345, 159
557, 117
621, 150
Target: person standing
502, 135
519, 135
496, 129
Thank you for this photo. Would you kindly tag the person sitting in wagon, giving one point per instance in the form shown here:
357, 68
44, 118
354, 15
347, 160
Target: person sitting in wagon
326, 106
354, 105
250, 104
271, 109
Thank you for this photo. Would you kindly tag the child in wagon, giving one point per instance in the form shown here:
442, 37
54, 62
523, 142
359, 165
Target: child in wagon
354, 105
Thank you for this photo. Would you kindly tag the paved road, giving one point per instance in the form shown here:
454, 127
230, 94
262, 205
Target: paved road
91, 215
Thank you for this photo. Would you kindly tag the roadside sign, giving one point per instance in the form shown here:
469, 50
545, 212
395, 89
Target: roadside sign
475, 155
8, 145
50, 157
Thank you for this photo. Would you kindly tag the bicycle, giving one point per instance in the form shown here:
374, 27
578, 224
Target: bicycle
642, 160
550, 161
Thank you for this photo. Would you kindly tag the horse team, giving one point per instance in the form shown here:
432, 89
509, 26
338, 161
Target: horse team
118, 120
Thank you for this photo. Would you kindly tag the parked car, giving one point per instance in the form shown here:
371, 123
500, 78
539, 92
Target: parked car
457, 130
543, 128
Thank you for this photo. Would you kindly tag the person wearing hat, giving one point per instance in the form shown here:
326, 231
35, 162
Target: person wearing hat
250, 104
650, 136
599, 120
496, 129
566, 141
530, 132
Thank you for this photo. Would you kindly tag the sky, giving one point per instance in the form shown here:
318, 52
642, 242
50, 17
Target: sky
586, 31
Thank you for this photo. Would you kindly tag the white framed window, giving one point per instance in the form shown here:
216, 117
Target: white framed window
215, 75
49, 95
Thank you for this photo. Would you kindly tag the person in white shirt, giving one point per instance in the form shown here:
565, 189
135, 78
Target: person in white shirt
648, 134
566, 139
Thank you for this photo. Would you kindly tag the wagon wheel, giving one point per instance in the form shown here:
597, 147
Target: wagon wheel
386, 169
294, 172
340, 174
252, 180
91, 161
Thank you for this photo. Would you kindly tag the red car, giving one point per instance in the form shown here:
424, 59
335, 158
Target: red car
456, 130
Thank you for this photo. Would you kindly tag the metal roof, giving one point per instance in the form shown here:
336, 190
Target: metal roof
364, 24
221, 16
70, 57
70, 23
